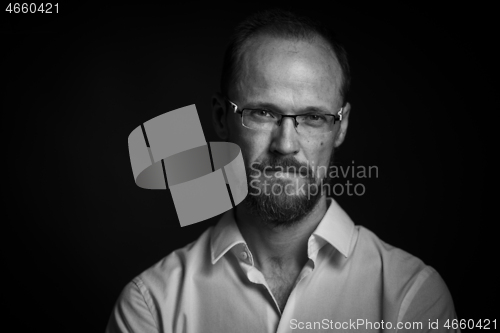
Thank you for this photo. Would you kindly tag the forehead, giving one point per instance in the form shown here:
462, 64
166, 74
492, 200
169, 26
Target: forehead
290, 71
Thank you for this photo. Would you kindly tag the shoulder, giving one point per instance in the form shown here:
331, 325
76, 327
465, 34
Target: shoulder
418, 288
172, 269
143, 301
393, 262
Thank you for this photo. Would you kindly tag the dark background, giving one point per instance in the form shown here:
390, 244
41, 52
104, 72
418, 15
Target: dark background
78, 82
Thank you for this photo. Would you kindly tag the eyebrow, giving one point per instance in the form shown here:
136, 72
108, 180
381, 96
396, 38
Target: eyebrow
272, 107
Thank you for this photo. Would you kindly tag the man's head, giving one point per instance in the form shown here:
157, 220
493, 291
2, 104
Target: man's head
288, 65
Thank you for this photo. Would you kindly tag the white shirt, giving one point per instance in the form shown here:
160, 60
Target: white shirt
352, 281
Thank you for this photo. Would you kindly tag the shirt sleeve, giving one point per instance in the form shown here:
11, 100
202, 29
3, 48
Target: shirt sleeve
429, 303
133, 311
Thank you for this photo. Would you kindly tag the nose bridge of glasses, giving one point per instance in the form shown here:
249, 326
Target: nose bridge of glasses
294, 119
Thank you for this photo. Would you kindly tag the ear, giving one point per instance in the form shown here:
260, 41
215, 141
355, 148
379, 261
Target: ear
341, 132
219, 119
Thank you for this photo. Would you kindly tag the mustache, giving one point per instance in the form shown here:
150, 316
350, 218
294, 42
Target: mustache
287, 164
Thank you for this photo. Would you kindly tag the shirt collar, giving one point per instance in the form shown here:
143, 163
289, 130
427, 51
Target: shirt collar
225, 236
336, 228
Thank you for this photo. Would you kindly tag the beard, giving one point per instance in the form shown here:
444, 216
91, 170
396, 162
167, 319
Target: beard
282, 201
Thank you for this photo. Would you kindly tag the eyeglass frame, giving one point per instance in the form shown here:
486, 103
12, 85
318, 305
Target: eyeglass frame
336, 117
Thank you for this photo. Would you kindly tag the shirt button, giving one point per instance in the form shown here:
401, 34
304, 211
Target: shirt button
243, 255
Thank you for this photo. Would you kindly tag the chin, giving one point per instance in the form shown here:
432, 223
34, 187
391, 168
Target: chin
280, 202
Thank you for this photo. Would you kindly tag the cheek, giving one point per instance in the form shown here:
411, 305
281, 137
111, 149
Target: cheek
320, 155
251, 143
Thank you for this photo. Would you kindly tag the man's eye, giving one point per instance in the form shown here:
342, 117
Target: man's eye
262, 113
315, 117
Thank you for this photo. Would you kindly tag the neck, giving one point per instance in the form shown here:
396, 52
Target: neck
285, 246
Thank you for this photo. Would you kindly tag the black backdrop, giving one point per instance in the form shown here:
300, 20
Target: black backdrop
78, 82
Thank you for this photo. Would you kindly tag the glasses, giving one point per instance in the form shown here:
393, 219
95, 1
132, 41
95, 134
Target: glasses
307, 123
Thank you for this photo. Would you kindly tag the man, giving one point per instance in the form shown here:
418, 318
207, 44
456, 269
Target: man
287, 258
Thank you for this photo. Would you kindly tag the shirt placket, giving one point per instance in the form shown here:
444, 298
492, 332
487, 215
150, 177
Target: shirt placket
256, 276
313, 246
278, 323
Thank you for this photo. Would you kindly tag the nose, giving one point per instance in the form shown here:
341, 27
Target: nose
285, 138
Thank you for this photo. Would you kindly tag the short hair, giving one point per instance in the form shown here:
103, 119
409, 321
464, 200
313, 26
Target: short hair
285, 24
